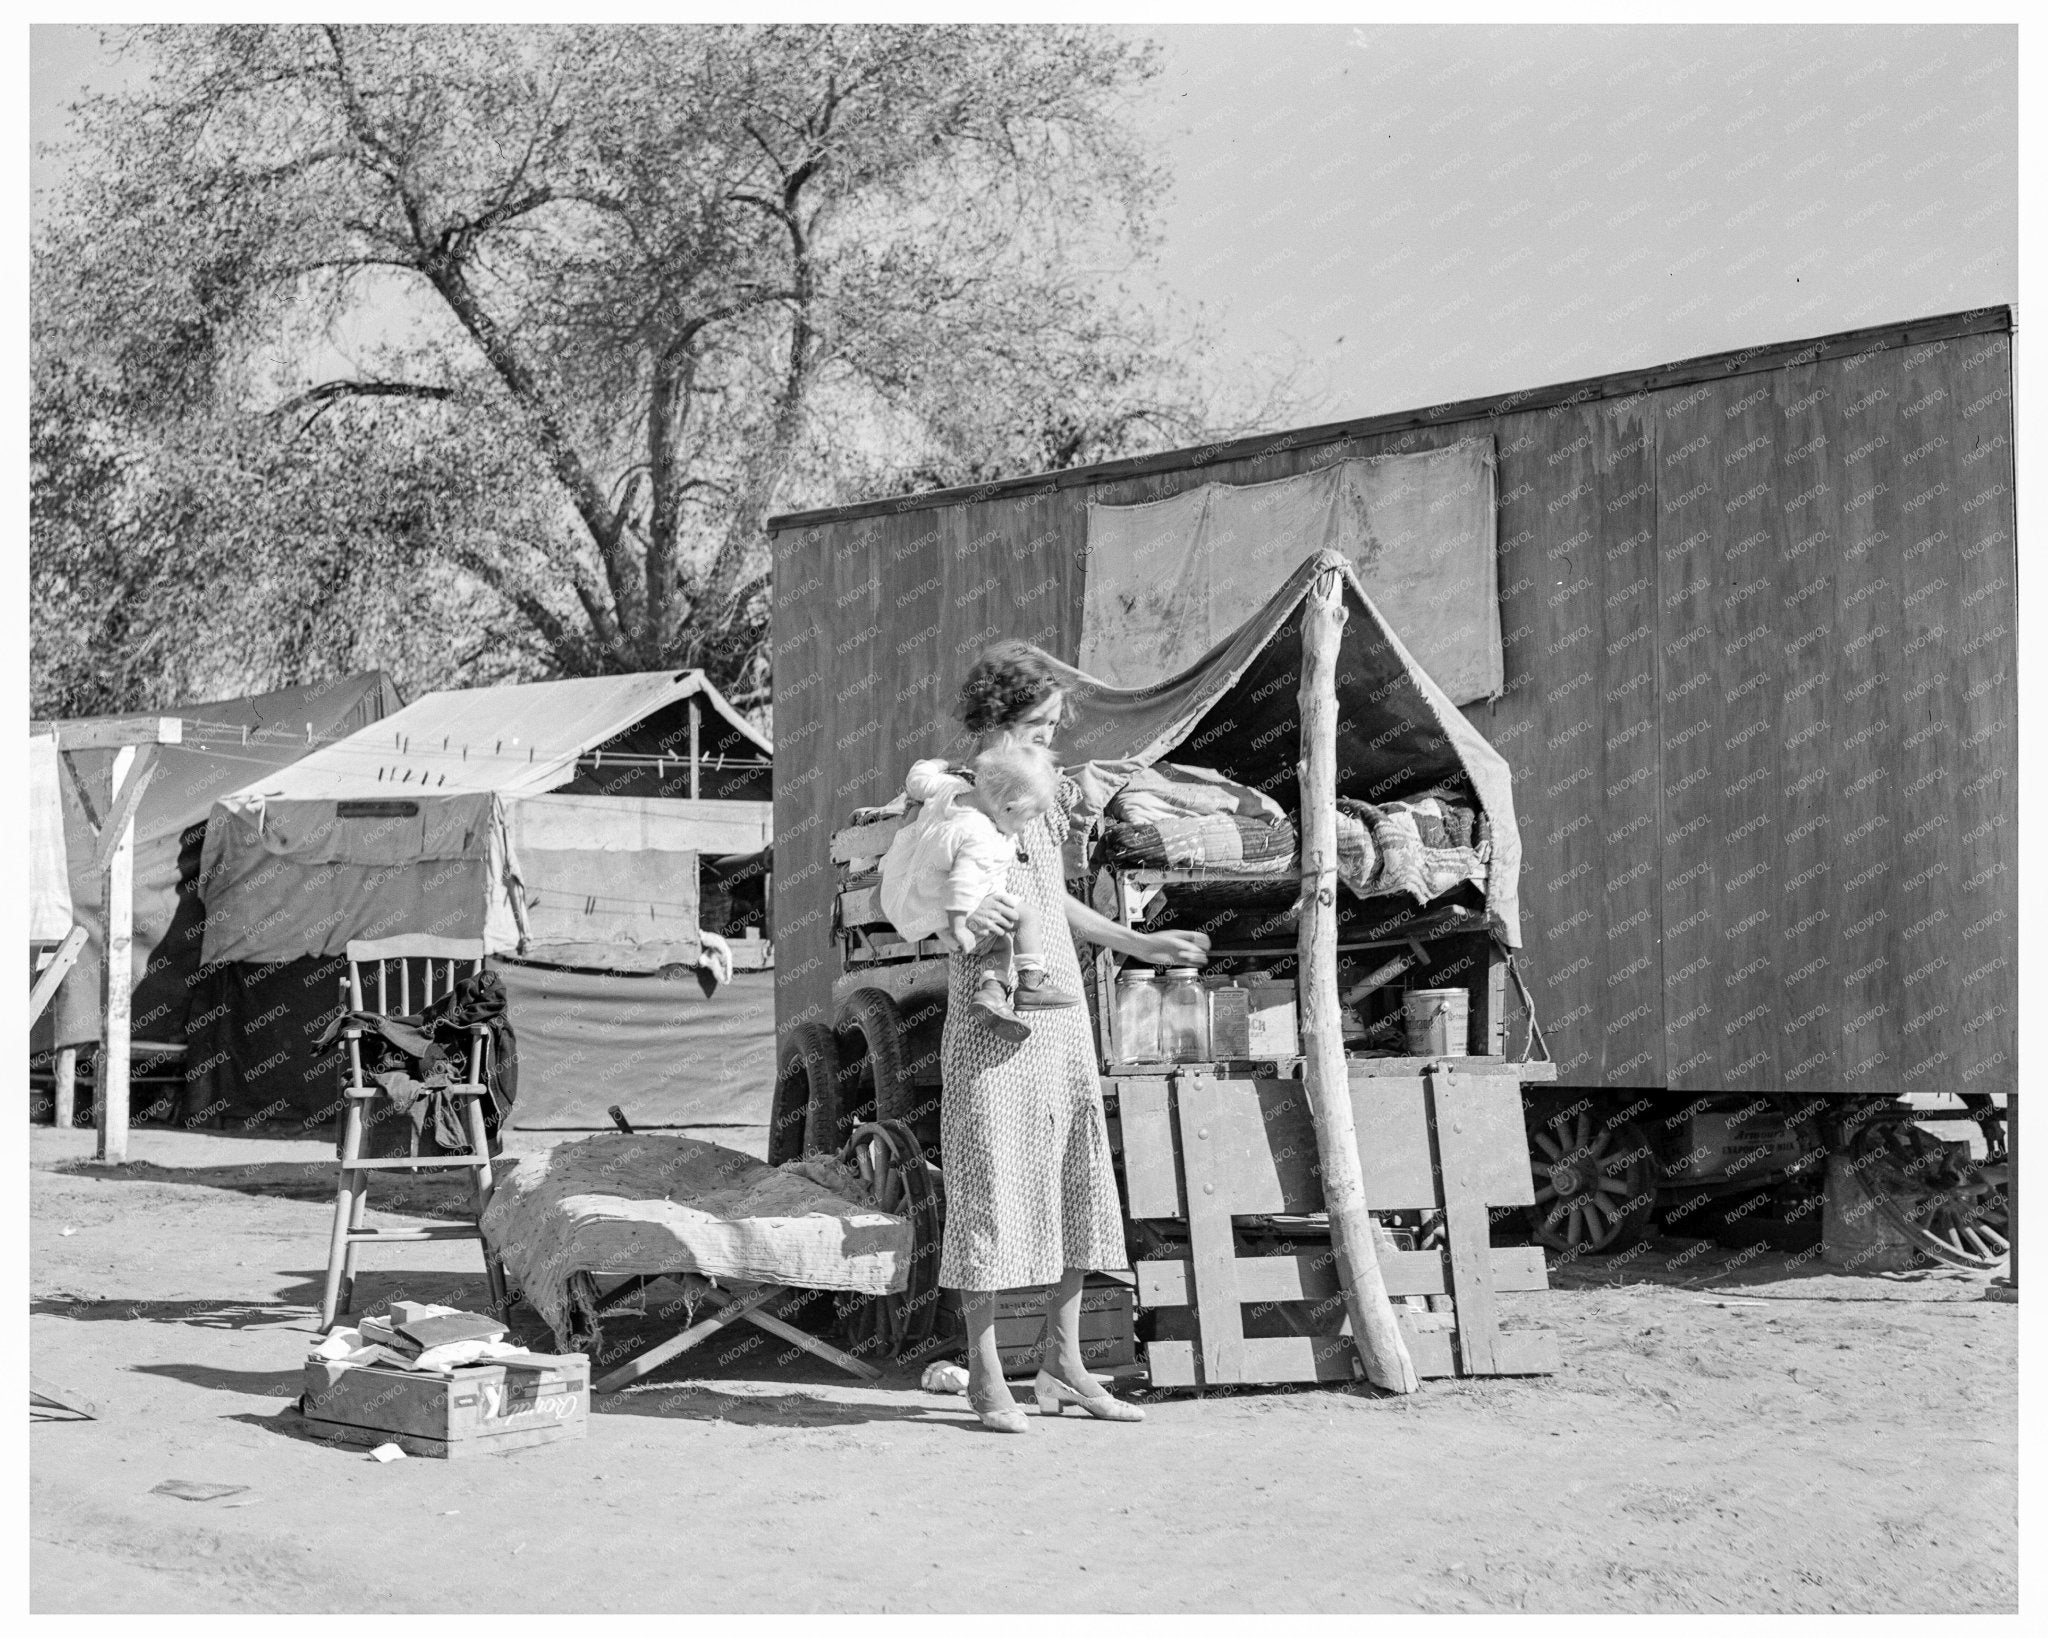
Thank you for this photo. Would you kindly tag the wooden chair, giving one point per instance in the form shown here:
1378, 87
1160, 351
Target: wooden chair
438, 958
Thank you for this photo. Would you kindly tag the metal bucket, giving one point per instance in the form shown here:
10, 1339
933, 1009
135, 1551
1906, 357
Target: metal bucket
1438, 1022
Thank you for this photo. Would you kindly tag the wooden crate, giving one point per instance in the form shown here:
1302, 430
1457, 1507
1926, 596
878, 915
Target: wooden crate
1109, 1337
1201, 1150
478, 1411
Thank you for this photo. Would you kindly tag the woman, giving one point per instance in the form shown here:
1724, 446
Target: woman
1030, 1197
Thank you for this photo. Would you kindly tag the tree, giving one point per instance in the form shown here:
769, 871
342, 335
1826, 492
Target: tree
523, 333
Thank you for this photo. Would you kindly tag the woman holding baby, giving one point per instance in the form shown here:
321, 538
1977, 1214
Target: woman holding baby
1030, 1196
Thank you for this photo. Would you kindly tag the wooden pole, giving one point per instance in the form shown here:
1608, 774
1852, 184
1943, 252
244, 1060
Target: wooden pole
693, 750
132, 767
1373, 1327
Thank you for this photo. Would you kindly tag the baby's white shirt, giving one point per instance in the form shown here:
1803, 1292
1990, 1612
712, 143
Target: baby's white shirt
949, 858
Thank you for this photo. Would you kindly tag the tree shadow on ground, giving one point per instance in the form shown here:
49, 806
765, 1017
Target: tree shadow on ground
297, 1306
442, 1193
276, 1384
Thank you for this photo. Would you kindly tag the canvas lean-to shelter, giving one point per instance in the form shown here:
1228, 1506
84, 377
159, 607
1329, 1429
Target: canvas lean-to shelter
555, 828
224, 744
1233, 710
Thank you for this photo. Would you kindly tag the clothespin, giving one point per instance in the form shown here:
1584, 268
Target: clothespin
600, 759
590, 905
309, 733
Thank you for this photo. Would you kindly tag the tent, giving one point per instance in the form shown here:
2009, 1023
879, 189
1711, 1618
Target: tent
1233, 710
557, 824
225, 742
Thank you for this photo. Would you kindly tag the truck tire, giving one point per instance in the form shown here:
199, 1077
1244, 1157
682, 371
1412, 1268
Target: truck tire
805, 1118
870, 1040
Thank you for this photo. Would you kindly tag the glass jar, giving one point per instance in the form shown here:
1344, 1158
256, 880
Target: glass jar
1138, 997
1184, 1017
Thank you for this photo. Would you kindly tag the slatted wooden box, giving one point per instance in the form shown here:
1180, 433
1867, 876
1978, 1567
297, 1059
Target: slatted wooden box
1202, 1151
480, 1410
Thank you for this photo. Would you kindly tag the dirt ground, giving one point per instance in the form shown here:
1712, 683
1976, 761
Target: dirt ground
1729, 1432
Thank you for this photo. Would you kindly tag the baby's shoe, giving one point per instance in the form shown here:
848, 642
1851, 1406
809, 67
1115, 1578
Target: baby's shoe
1035, 992
993, 1000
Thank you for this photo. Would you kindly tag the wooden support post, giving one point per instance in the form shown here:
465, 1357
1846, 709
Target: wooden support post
693, 750
1380, 1345
133, 765
65, 1114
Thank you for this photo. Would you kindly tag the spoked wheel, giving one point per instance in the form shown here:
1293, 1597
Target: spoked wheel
1596, 1181
908, 1185
1955, 1210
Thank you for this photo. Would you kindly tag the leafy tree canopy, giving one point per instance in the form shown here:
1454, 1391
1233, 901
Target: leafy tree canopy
483, 352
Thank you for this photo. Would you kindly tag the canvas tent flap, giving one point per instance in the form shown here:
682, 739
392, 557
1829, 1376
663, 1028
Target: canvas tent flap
1235, 710
1168, 579
286, 879
49, 881
623, 911
637, 824
387, 831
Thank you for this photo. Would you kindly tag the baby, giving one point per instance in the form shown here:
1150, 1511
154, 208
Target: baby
957, 851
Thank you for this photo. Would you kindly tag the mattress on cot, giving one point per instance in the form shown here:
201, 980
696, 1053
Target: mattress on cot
656, 1204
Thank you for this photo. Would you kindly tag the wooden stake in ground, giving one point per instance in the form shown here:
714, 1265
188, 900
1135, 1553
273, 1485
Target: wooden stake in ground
133, 765
1373, 1327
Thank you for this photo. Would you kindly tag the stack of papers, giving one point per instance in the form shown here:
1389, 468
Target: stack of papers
424, 1336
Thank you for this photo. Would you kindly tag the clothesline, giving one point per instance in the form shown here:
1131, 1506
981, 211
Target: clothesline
468, 751
201, 733
591, 901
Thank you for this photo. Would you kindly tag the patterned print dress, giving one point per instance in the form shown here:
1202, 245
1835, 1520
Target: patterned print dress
1029, 1190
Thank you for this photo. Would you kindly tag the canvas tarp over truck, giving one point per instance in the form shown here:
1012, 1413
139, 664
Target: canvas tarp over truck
226, 743
1235, 710
444, 827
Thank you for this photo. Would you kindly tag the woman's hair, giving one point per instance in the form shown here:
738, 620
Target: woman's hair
1006, 683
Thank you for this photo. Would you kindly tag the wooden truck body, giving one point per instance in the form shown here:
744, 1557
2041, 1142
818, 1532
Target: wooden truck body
1759, 629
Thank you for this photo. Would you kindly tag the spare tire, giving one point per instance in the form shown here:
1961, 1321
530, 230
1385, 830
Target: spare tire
870, 1040
805, 1115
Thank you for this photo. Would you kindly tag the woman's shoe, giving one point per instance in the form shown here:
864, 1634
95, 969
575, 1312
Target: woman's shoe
1010, 1419
1053, 1396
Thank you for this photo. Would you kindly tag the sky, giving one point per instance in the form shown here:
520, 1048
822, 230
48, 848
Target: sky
1404, 216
